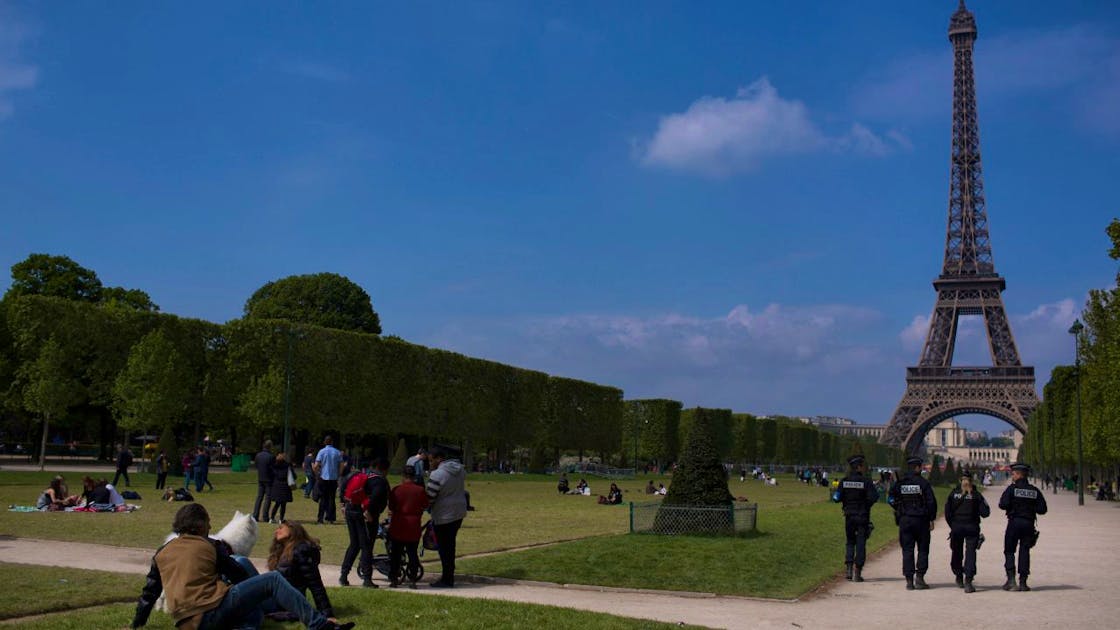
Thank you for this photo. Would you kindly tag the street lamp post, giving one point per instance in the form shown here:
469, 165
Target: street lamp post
1075, 330
1053, 454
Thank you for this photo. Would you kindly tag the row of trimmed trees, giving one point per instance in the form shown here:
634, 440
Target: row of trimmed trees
1050, 444
657, 427
100, 369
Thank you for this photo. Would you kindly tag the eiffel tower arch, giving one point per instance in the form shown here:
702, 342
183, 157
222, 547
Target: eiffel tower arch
968, 285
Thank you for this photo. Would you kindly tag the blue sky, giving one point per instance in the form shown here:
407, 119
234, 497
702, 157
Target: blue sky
732, 204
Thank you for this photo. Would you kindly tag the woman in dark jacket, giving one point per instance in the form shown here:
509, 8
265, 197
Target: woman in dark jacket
295, 555
280, 492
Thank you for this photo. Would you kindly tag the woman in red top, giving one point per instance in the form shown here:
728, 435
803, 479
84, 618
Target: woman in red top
407, 503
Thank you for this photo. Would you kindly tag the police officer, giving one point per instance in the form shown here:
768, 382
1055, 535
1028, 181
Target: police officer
963, 510
1023, 503
856, 494
915, 510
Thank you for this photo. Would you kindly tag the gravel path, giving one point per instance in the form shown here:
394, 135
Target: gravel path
1073, 569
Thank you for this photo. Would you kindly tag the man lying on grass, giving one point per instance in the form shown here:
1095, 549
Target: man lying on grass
191, 569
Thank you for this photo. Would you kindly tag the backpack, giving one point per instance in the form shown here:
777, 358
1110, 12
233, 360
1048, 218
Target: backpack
355, 493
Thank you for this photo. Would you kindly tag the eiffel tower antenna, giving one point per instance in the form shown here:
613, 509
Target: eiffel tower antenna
968, 285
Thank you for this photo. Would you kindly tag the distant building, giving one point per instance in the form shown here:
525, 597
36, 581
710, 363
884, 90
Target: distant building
949, 439
847, 426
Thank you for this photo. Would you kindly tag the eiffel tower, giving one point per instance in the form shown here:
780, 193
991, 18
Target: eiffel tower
968, 285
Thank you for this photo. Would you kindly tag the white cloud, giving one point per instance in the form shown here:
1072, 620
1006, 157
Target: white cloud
1080, 64
913, 337
717, 136
15, 74
777, 358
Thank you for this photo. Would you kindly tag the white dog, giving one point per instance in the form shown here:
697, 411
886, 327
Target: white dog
240, 533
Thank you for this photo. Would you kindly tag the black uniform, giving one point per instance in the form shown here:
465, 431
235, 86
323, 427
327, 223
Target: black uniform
963, 513
857, 495
1023, 503
915, 510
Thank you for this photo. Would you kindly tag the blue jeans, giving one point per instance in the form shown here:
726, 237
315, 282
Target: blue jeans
241, 607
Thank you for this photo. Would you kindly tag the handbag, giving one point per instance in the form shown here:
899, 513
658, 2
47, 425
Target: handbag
431, 543
291, 478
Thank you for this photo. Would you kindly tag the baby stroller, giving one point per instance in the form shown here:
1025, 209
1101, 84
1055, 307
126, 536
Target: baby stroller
406, 573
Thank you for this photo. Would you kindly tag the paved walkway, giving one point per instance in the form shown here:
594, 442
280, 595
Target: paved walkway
1074, 571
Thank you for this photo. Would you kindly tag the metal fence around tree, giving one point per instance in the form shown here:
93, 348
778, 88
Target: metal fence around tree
658, 518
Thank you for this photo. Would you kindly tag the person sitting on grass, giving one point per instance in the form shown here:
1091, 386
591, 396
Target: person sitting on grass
296, 555
650, 489
55, 498
661, 489
191, 571
582, 487
562, 486
614, 496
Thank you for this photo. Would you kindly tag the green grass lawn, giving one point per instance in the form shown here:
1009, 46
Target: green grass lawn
796, 549
512, 511
51, 589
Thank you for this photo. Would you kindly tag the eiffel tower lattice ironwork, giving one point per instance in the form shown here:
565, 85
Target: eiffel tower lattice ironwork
968, 285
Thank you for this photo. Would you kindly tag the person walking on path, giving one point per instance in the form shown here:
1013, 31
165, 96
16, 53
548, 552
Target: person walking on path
1023, 504
963, 510
364, 497
124, 460
280, 492
263, 461
328, 466
189, 571
162, 466
407, 503
856, 495
446, 490
915, 508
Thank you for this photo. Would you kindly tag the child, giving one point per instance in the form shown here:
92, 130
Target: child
407, 503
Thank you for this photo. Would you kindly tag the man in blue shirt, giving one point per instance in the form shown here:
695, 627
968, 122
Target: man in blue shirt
328, 464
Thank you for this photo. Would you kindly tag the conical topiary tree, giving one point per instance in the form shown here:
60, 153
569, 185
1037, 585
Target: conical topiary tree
935, 471
700, 478
400, 456
700, 481
950, 475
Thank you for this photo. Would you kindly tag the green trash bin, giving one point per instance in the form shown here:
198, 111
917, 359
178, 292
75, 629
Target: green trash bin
239, 463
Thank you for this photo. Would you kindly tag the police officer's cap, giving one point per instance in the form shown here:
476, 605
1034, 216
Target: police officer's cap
966, 475
855, 460
914, 461
1021, 467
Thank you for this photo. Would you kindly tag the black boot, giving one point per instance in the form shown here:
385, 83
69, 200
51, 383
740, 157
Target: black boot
920, 582
968, 587
847, 570
858, 575
960, 581
1023, 583
909, 582
1009, 585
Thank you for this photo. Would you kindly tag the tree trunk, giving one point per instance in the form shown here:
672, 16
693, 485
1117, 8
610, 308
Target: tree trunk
43, 443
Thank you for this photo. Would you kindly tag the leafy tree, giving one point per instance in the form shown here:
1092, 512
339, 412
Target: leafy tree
134, 299
263, 400
154, 388
51, 389
323, 299
54, 276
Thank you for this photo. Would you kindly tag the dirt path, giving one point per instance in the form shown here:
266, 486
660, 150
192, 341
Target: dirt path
1073, 580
